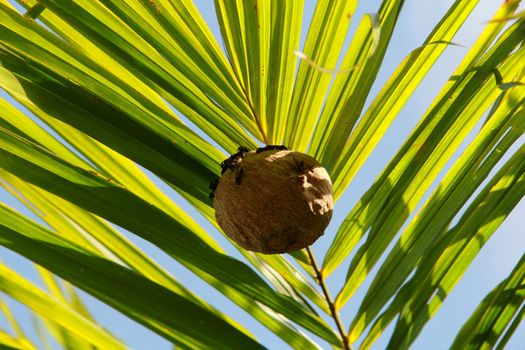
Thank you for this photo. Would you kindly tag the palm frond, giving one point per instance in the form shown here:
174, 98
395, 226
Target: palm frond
109, 101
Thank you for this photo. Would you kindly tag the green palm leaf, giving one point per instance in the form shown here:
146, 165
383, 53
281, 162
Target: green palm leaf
486, 326
23, 290
110, 101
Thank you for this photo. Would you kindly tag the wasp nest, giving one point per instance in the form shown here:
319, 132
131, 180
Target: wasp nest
273, 200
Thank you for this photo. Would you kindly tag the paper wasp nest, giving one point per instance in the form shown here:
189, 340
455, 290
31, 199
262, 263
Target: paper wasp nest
273, 200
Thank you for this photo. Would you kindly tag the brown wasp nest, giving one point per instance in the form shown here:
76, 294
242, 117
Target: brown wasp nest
272, 200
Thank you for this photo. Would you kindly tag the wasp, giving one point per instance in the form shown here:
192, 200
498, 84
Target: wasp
233, 159
299, 166
213, 186
229, 163
270, 148
238, 176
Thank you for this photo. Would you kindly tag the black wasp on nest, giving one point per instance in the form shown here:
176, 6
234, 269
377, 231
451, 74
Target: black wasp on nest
234, 159
270, 148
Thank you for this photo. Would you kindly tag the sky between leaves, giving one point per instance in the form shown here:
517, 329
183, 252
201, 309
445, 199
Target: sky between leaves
494, 262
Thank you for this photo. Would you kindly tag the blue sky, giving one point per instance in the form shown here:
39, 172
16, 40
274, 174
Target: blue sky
494, 262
